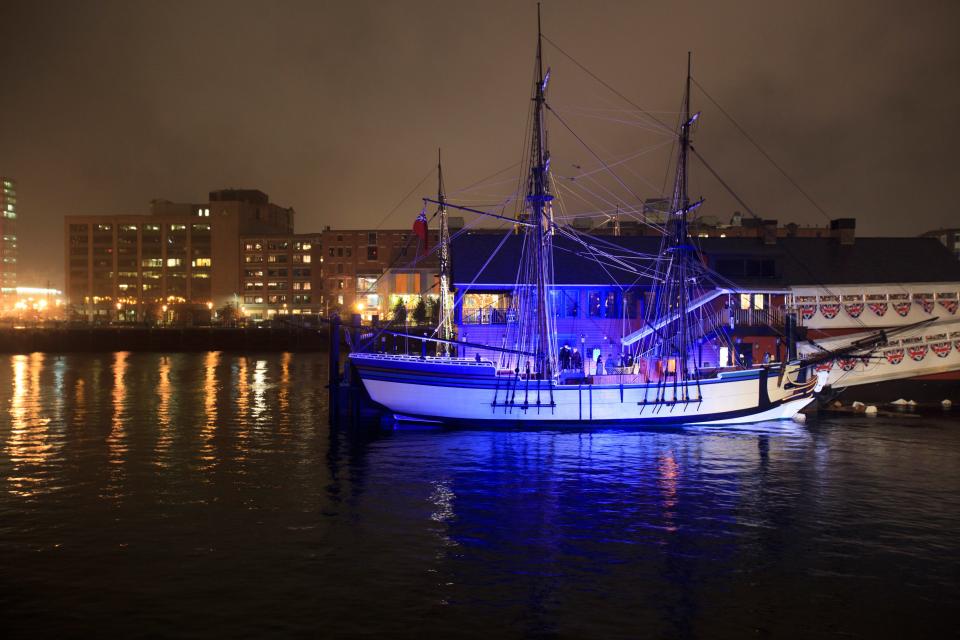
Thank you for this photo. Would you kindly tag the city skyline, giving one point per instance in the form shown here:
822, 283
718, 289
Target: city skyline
337, 111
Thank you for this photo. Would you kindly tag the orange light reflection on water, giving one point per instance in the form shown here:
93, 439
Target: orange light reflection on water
27, 446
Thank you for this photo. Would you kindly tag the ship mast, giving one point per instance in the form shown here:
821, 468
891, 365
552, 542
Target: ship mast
682, 251
446, 307
539, 199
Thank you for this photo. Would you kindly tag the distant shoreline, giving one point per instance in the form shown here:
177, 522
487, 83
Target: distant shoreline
162, 339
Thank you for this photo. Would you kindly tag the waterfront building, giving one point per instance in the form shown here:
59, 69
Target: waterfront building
179, 260
8, 233
281, 275
835, 285
950, 238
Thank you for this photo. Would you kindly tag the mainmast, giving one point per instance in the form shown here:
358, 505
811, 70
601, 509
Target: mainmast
539, 199
446, 307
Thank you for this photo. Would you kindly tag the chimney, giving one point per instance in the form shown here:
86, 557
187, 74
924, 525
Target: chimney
844, 230
768, 231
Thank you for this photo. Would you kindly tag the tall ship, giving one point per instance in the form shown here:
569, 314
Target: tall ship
527, 377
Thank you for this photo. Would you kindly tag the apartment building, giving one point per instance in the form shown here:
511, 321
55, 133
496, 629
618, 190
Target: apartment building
281, 274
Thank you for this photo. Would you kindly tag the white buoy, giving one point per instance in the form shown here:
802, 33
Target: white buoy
899, 401
870, 411
946, 404
858, 406
912, 403
799, 418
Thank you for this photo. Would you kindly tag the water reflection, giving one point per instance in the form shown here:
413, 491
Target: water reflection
227, 473
164, 398
28, 444
209, 392
259, 387
117, 438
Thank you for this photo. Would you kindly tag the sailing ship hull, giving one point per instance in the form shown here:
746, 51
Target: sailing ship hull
462, 392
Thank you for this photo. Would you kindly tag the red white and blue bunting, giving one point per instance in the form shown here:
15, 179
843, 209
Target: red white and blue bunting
894, 356
942, 349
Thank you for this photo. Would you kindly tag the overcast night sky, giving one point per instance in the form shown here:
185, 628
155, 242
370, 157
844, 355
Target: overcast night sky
337, 109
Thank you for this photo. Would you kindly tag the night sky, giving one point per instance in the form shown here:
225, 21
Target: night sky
337, 109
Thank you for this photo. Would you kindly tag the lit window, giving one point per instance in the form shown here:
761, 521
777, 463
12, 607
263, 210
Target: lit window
174, 262
744, 301
306, 258
201, 262
339, 299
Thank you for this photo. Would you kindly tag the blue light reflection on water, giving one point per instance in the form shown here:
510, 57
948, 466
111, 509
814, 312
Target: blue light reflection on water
204, 493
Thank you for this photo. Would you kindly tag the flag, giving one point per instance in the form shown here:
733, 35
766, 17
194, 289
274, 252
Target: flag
420, 229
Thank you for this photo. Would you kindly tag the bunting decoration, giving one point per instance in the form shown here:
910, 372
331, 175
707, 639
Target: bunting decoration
902, 308
918, 352
847, 364
894, 356
824, 366
942, 349
854, 309
926, 303
879, 308
949, 305
807, 310
830, 311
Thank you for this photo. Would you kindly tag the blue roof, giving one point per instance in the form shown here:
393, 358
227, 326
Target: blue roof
745, 261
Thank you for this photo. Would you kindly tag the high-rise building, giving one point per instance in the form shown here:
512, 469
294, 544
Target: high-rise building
8, 234
182, 256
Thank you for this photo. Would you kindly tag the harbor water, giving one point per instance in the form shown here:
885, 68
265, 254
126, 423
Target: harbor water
201, 494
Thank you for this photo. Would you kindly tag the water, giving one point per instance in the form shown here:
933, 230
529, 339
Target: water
203, 494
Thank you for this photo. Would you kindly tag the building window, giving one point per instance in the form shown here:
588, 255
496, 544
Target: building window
593, 304
339, 284
371, 238
339, 267
339, 252
349, 252
254, 245
372, 253
340, 299
201, 262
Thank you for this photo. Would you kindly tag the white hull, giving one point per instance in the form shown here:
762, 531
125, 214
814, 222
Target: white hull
453, 391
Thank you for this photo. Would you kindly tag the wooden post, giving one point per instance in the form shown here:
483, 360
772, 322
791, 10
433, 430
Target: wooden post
333, 398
